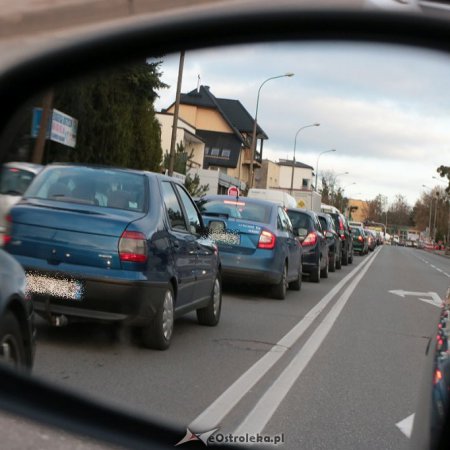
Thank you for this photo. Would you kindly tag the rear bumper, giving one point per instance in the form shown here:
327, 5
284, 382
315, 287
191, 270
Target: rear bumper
102, 298
310, 260
251, 268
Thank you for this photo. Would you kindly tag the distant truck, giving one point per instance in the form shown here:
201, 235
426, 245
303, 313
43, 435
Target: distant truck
274, 195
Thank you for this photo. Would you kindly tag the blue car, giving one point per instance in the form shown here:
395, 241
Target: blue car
115, 245
256, 241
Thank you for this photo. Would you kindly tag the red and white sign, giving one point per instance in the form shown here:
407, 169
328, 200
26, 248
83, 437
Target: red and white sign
233, 191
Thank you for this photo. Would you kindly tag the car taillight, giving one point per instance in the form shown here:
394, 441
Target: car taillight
133, 247
360, 238
311, 239
267, 240
7, 235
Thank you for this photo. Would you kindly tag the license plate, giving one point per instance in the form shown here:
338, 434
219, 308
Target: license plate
55, 287
226, 238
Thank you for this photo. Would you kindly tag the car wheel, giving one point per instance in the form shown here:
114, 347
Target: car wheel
279, 290
296, 285
159, 333
345, 258
12, 350
339, 262
350, 258
315, 274
210, 314
332, 264
324, 271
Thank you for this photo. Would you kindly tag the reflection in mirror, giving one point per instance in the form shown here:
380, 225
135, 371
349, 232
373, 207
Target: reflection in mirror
116, 269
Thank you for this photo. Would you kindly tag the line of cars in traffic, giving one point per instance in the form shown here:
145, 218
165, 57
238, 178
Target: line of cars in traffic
118, 245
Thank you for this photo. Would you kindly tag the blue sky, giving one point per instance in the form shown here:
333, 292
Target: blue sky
385, 109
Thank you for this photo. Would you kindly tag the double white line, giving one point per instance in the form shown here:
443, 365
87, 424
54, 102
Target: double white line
260, 415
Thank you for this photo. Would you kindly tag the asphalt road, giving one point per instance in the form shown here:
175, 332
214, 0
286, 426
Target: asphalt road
336, 365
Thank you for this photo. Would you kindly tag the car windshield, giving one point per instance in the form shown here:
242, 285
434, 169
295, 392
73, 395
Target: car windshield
236, 209
300, 220
90, 186
14, 181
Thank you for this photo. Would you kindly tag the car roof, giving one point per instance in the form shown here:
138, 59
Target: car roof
310, 213
35, 168
249, 200
122, 169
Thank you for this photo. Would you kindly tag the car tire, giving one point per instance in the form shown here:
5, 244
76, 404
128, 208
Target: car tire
339, 262
279, 290
324, 271
296, 285
345, 258
158, 334
12, 349
332, 264
315, 274
210, 314
350, 258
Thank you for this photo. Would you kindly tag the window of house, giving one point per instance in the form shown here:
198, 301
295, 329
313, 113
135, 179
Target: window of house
305, 182
214, 152
226, 153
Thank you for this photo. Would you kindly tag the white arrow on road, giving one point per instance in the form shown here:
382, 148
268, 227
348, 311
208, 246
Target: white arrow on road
434, 300
406, 425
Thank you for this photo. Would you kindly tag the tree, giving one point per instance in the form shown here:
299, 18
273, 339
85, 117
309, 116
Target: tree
400, 212
181, 163
192, 184
116, 118
331, 193
181, 159
444, 171
373, 209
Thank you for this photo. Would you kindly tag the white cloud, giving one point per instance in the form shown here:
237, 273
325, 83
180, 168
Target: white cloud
386, 109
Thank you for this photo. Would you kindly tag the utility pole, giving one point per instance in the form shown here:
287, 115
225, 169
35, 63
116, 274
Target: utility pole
38, 151
175, 115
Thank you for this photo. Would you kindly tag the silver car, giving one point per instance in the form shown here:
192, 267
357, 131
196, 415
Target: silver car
14, 180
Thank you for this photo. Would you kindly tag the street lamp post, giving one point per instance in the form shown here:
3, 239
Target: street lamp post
435, 215
431, 207
343, 190
253, 149
317, 170
317, 164
295, 145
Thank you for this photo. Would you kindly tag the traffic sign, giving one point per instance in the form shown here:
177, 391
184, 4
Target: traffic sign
233, 191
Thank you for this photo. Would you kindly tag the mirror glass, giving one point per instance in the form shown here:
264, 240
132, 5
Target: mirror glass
361, 127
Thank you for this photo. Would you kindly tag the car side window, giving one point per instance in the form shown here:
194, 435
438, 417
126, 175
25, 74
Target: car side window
283, 221
287, 221
173, 207
318, 225
195, 224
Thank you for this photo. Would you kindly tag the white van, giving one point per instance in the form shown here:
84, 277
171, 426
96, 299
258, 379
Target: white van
273, 195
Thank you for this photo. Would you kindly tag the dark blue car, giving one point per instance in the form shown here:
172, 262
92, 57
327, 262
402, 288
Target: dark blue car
115, 245
314, 243
256, 241
17, 329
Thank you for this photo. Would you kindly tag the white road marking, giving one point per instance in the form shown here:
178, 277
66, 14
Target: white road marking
212, 416
433, 266
435, 298
258, 418
406, 425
